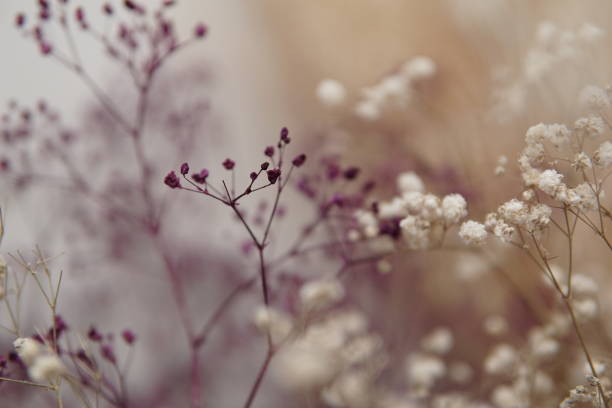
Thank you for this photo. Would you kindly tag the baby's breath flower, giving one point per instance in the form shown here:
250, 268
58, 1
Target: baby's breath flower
47, 368
591, 126
273, 322
581, 162
419, 68
473, 233
501, 359
440, 341
603, 155
320, 294
410, 181
594, 97
27, 349
368, 110
454, 208
550, 181
495, 325
424, 370
331, 92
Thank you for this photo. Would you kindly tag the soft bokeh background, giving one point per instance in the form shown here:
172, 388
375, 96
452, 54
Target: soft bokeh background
263, 62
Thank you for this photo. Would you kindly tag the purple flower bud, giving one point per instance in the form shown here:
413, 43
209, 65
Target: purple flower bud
108, 9
94, 335
265, 165
253, 175
273, 175
79, 14
128, 336
184, 168
20, 20
108, 353
285, 135
299, 160
200, 177
351, 173
172, 180
229, 164
269, 151
45, 48
200, 30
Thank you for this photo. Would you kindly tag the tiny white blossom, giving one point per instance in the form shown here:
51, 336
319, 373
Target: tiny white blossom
495, 325
454, 208
550, 181
409, 182
501, 359
424, 370
331, 92
593, 97
419, 68
47, 368
321, 293
368, 110
273, 322
440, 341
27, 349
590, 32
591, 126
603, 155
473, 233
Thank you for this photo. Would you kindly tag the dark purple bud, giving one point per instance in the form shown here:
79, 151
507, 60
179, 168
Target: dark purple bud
200, 30
285, 135
200, 177
108, 9
368, 186
82, 355
94, 335
333, 171
229, 164
184, 168
273, 175
269, 151
391, 228
299, 160
128, 337
60, 325
79, 14
108, 353
38, 338
253, 175
131, 5
337, 199
375, 207
20, 20
351, 173
172, 180
265, 165
45, 48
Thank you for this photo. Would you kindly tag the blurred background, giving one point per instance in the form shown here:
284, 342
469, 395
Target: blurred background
499, 67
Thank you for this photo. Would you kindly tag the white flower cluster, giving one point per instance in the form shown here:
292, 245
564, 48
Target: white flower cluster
42, 366
396, 88
424, 368
331, 92
552, 48
328, 356
424, 218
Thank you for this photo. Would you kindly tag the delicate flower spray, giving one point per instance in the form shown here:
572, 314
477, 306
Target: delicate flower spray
321, 295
